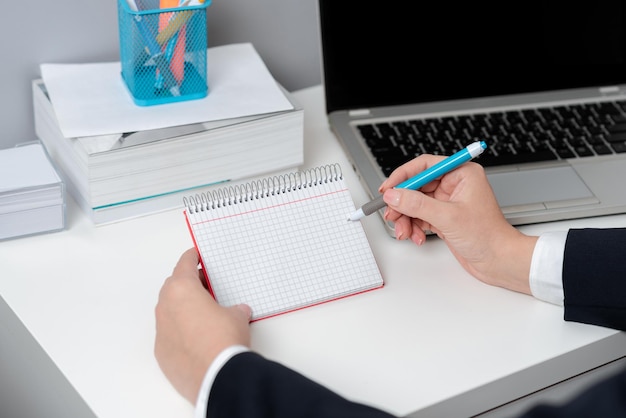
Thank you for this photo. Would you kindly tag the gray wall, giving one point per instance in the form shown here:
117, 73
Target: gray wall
284, 32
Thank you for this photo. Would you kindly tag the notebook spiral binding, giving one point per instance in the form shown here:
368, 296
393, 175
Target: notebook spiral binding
262, 188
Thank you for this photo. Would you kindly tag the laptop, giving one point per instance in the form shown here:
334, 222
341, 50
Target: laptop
542, 83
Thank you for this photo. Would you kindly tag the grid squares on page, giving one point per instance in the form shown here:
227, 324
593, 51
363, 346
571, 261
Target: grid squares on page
285, 251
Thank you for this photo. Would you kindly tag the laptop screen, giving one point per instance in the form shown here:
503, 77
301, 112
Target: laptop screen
402, 52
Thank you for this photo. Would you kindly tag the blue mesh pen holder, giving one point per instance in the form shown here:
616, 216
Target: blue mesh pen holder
163, 51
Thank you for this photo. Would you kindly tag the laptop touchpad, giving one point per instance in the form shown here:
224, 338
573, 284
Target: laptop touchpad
540, 189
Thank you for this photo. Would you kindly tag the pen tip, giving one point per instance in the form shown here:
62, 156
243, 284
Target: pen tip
356, 215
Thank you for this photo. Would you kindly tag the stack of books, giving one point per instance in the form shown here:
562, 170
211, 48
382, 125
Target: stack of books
119, 176
32, 197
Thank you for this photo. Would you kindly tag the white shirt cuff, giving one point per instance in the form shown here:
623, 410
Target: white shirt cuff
546, 267
209, 377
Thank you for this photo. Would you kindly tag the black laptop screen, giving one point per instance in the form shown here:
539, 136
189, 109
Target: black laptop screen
400, 52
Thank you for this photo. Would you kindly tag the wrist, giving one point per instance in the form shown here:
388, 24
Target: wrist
509, 262
514, 262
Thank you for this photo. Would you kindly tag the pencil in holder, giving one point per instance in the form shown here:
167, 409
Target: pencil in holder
163, 50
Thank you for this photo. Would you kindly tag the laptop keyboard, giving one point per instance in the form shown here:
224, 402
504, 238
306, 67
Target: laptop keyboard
513, 137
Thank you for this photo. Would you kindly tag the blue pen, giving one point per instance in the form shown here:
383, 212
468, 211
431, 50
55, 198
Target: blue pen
157, 55
426, 176
169, 52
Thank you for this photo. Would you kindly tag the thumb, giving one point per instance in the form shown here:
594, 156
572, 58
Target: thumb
244, 309
415, 204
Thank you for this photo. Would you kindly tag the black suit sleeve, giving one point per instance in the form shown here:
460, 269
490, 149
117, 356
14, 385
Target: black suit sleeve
250, 386
594, 277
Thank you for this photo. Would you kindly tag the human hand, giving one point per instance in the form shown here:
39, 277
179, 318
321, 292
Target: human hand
461, 209
192, 329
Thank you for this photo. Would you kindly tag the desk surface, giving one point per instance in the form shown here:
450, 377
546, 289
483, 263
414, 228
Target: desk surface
433, 339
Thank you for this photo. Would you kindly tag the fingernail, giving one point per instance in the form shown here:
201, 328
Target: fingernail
392, 197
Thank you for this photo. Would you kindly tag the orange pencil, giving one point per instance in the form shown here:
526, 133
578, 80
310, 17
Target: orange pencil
177, 60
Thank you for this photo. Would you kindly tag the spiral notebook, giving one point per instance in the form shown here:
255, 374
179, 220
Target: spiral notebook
282, 243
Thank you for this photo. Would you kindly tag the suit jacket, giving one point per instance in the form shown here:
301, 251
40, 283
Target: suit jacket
594, 279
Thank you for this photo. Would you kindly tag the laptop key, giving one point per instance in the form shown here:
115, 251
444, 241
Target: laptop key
619, 118
368, 132
583, 151
619, 147
580, 147
509, 157
602, 149
564, 152
618, 127
616, 137
387, 165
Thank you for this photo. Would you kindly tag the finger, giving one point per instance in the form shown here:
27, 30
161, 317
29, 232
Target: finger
410, 228
418, 234
416, 204
244, 310
402, 228
187, 264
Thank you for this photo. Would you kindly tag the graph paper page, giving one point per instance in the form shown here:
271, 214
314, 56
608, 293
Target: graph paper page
285, 251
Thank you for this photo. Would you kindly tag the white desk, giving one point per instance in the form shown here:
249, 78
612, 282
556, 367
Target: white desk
433, 339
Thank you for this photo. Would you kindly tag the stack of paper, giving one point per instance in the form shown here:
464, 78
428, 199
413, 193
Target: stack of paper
32, 197
247, 126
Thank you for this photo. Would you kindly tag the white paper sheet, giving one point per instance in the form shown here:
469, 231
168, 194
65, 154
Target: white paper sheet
91, 99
